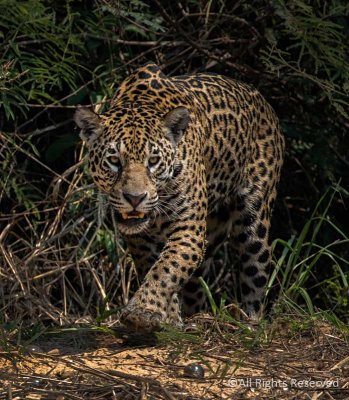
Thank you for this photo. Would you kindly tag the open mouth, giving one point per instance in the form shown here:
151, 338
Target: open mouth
131, 218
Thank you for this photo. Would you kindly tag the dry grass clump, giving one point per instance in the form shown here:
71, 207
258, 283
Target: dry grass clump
59, 260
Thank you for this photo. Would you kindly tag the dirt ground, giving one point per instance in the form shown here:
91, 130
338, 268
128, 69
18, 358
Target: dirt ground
309, 362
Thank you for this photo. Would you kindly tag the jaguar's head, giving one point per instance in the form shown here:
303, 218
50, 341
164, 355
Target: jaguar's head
132, 156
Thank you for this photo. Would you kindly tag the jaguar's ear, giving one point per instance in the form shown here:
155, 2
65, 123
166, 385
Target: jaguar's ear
176, 122
90, 124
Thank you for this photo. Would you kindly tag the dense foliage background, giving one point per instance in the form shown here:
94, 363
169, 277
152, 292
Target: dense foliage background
58, 255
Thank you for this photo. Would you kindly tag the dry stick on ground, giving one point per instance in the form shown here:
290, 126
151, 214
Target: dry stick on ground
81, 367
19, 384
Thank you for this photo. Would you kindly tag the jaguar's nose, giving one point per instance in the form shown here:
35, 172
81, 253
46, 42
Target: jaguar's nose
134, 199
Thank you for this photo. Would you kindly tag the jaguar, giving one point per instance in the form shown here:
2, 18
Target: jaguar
188, 163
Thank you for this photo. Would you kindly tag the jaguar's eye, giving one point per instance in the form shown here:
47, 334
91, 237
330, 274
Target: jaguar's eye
114, 162
153, 160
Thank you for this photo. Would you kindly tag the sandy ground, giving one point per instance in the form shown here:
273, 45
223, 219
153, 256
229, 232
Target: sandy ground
311, 364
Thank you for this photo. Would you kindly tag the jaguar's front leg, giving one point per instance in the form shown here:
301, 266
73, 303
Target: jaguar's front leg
156, 301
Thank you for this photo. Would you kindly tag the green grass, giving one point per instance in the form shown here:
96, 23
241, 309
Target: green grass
300, 268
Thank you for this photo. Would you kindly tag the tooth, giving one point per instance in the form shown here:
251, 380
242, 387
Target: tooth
139, 215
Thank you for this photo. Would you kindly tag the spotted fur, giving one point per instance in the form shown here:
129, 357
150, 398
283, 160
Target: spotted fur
187, 162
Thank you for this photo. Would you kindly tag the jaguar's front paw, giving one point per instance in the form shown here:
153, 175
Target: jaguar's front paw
140, 318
